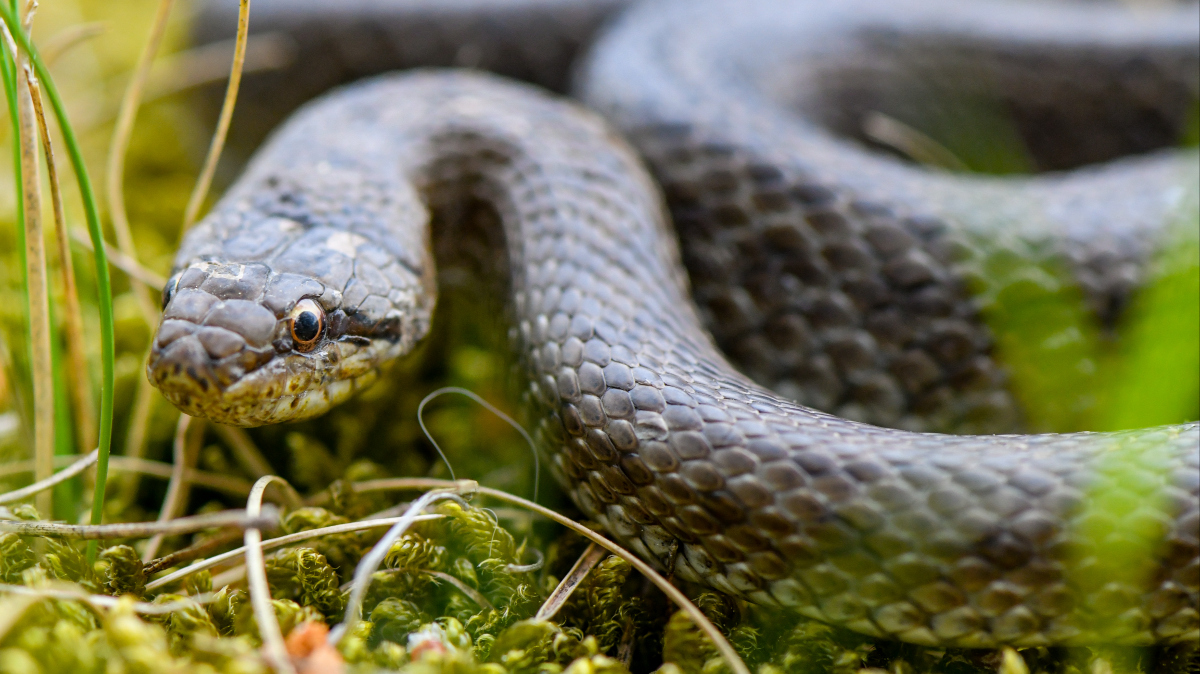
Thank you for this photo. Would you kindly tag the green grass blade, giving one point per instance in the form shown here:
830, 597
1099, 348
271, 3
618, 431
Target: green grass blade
103, 282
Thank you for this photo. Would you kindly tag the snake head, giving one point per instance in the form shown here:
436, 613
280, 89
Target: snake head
295, 327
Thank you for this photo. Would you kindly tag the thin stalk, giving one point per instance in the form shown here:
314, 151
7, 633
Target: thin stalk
389, 484
475, 595
81, 394
375, 556
673, 593
103, 282
68, 38
135, 435
8, 70
245, 452
37, 290
196, 201
260, 592
134, 270
114, 177
234, 486
37, 487
189, 433
735, 662
197, 67
586, 562
281, 541
70, 593
266, 518
209, 63
196, 550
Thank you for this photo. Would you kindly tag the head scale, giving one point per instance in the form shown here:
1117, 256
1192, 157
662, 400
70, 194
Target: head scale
269, 318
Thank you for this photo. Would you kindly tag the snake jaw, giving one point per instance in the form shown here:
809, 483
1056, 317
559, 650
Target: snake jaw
287, 387
227, 351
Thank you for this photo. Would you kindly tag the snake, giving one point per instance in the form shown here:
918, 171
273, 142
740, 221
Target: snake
848, 284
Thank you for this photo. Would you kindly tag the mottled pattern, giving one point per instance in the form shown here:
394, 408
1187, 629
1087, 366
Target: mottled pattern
850, 280
854, 297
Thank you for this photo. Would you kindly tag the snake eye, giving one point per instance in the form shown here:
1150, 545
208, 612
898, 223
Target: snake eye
307, 324
168, 290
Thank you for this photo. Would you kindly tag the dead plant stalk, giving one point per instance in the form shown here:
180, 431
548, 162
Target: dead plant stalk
37, 287
81, 390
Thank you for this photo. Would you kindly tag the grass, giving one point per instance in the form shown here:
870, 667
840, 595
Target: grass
460, 590
103, 283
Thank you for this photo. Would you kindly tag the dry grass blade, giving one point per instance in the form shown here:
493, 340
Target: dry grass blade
199, 66
81, 389
625, 647
223, 483
189, 432
280, 542
210, 63
912, 143
233, 486
191, 552
274, 648
61, 476
723, 646
537, 466
246, 453
475, 595
70, 593
268, 517
386, 484
196, 201
673, 593
135, 437
588, 560
68, 38
115, 173
152, 280
103, 283
37, 287
371, 561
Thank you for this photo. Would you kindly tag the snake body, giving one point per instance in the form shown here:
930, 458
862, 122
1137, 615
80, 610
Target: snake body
854, 295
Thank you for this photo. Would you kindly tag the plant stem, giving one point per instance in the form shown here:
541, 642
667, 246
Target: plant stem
103, 282
73, 319
37, 290
37, 487
196, 201
264, 518
189, 433
8, 69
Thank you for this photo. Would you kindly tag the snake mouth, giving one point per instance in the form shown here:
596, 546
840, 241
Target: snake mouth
236, 362
254, 386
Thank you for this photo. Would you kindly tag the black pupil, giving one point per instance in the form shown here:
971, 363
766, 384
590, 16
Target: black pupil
306, 326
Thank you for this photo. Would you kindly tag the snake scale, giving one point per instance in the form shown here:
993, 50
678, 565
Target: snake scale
847, 279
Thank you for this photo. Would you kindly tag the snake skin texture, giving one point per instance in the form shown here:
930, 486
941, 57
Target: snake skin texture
853, 282
860, 293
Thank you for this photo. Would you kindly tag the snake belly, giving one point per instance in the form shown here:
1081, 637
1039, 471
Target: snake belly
927, 538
